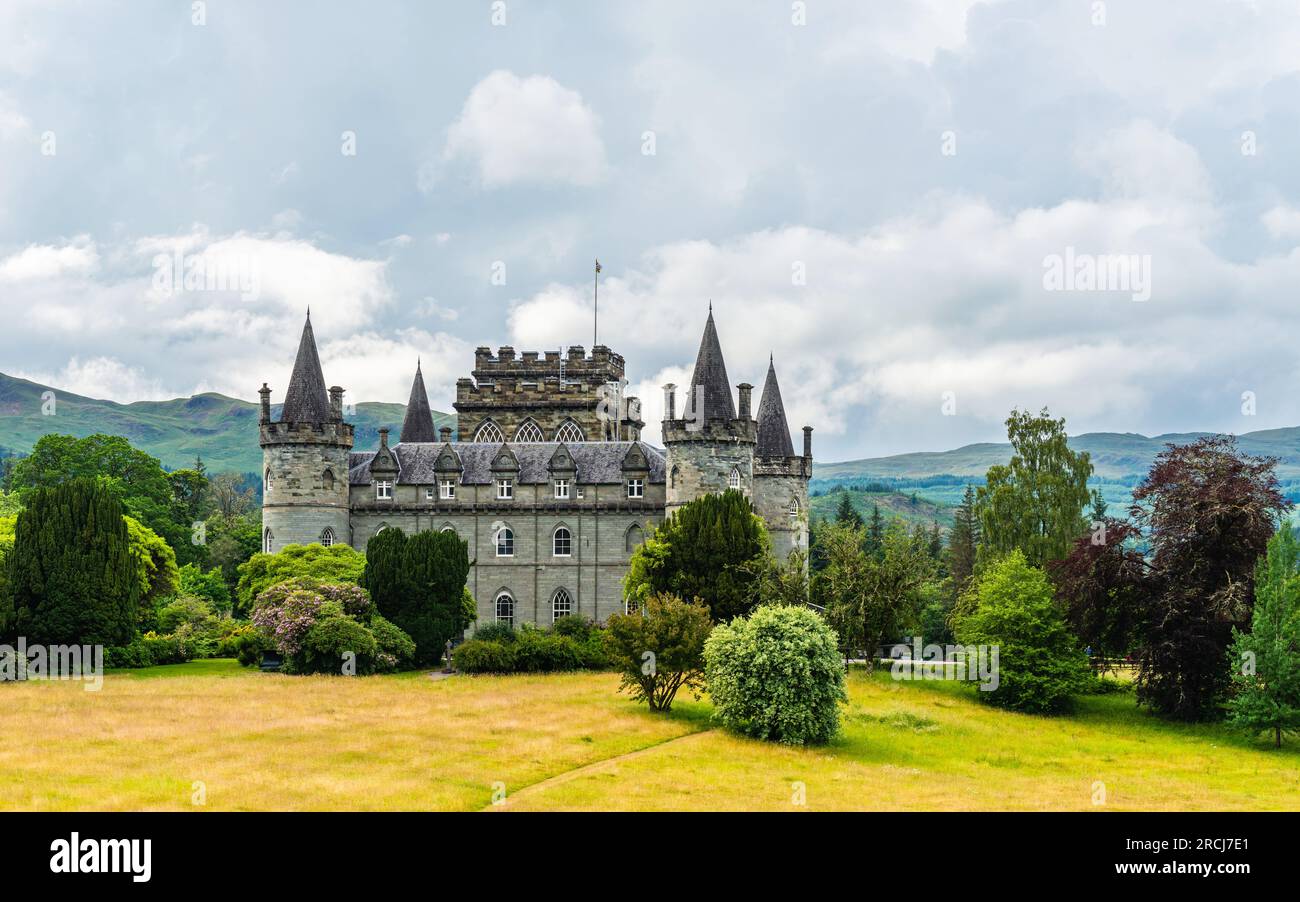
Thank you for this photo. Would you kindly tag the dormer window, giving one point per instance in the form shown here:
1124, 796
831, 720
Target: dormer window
505, 489
562, 489
636, 488
447, 489
384, 490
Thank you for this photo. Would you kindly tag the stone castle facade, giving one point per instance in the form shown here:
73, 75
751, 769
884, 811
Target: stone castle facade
547, 477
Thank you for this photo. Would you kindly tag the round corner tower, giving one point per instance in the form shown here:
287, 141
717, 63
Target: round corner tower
780, 476
710, 448
305, 459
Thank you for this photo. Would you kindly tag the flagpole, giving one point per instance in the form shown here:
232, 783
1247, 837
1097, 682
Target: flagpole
595, 305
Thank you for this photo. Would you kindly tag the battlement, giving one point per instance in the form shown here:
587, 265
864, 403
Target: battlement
603, 365
281, 433
740, 431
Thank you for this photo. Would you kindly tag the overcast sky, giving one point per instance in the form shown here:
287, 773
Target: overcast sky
873, 192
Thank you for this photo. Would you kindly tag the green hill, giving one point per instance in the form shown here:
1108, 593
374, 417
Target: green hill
909, 507
222, 430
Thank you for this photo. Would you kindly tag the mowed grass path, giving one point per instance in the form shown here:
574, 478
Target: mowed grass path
570, 742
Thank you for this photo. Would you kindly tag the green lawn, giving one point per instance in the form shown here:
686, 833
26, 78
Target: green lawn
152, 739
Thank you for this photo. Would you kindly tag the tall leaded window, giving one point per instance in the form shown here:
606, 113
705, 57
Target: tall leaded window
506, 609
268, 541
327, 480
733, 481
561, 605
569, 432
327, 537
505, 542
529, 431
562, 542
266, 480
635, 536
489, 432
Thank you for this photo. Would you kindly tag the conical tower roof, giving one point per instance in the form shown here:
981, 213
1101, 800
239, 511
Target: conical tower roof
710, 391
418, 425
773, 431
306, 401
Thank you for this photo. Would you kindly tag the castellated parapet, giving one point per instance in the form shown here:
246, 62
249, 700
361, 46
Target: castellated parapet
569, 397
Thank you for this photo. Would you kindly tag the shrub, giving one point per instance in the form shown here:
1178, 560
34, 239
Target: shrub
484, 656
249, 645
573, 625
495, 632
1040, 665
288, 610
536, 651
336, 564
327, 645
659, 648
396, 650
776, 675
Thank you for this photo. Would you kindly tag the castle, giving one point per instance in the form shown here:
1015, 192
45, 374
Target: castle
554, 487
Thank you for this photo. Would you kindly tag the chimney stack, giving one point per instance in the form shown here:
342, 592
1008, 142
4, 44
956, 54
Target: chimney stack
807, 442
745, 390
336, 403
445, 434
383, 437
670, 401
265, 392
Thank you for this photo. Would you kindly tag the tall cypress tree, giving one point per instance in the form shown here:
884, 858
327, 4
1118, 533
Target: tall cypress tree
74, 580
962, 543
846, 514
707, 549
417, 583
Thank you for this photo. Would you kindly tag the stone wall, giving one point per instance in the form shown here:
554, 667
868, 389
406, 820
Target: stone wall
300, 502
773, 492
598, 524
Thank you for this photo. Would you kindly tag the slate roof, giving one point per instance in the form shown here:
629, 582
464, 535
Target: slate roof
418, 425
597, 462
773, 431
306, 401
709, 380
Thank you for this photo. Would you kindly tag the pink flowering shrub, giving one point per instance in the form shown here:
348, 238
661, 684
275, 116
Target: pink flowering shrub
304, 620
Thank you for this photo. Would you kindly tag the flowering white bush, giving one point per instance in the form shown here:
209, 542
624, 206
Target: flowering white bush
776, 675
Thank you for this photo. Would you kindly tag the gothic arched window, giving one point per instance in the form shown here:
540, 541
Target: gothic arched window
505, 542
267, 541
635, 536
327, 480
489, 432
327, 537
266, 480
529, 431
569, 432
561, 605
506, 609
733, 481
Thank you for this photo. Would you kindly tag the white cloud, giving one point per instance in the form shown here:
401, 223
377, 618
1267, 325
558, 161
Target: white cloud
105, 378
529, 130
44, 261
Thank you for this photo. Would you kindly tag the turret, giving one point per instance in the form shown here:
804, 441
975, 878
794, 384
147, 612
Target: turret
781, 477
305, 458
710, 448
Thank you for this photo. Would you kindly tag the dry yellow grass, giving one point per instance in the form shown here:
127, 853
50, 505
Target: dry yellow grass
570, 742
265, 741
